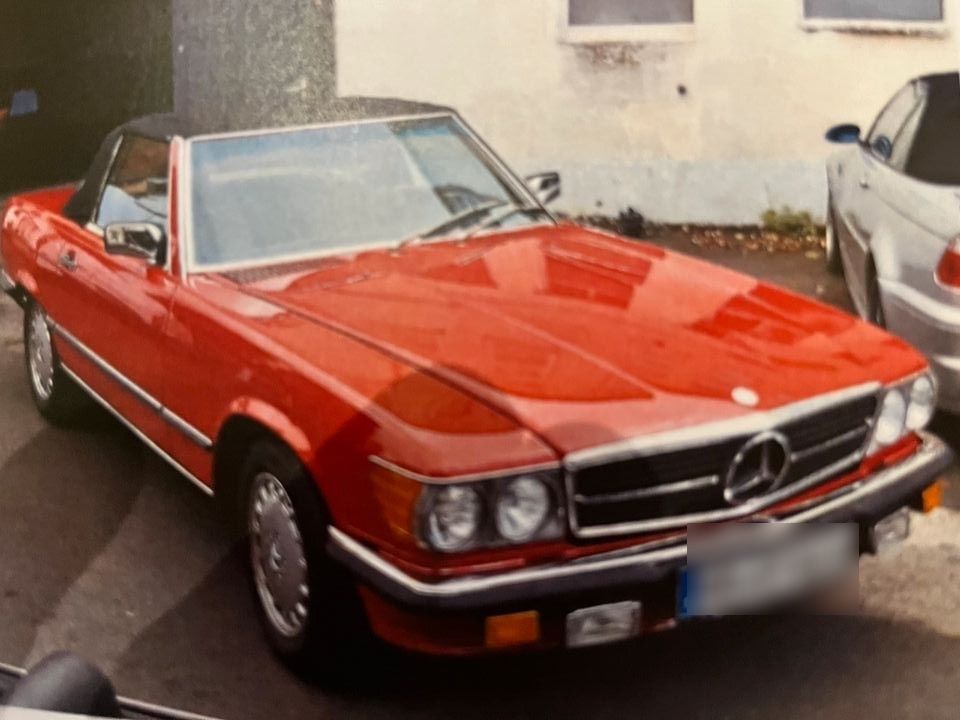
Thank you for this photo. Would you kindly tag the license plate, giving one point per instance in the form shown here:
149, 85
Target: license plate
755, 568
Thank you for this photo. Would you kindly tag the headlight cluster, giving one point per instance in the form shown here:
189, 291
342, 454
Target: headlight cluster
507, 511
905, 407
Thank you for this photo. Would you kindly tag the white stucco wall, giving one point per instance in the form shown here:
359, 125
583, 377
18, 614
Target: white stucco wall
747, 134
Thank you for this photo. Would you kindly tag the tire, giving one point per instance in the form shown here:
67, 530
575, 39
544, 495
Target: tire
832, 249
56, 395
312, 615
875, 313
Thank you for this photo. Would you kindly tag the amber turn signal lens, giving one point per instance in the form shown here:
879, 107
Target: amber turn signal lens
397, 497
933, 497
521, 628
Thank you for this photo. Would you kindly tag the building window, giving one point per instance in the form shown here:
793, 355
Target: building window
882, 14
627, 20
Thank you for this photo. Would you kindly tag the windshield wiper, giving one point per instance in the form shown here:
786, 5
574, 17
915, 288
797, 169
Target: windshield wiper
459, 219
510, 212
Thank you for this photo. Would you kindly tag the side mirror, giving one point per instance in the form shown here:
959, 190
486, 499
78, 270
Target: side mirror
845, 134
883, 147
139, 240
545, 186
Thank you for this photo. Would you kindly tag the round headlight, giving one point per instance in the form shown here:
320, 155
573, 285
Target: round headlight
890, 423
522, 507
923, 401
453, 518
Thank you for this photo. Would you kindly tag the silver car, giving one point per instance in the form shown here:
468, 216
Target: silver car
893, 221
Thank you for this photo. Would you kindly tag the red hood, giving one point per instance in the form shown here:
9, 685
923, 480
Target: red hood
583, 337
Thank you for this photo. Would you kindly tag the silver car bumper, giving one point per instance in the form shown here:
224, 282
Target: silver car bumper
933, 328
864, 503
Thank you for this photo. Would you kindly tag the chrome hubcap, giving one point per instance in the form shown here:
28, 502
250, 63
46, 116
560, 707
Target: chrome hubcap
279, 563
40, 355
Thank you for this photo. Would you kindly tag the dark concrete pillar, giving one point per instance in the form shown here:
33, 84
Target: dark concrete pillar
251, 63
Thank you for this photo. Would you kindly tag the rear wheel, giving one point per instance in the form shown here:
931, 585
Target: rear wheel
832, 249
308, 605
54, 393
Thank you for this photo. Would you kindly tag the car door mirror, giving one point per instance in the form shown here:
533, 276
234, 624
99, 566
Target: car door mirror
845, 134
545, 186
139, 240
883, 147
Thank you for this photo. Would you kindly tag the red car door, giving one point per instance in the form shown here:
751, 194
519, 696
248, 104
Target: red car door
111, 310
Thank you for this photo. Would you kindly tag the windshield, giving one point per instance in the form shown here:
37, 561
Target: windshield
339, 187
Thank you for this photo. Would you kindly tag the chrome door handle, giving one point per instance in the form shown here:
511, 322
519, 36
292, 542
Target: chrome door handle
68, 261
865, 183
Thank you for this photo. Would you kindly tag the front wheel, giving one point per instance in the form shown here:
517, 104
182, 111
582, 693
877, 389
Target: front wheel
54, 393
307, 603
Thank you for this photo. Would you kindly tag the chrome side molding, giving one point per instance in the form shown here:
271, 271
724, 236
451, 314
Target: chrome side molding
192, 433
136, 431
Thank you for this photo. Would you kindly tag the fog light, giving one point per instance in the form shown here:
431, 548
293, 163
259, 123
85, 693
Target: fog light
603, 624
890, 532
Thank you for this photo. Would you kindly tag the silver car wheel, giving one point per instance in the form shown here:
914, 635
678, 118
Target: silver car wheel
278, 559
40, 355
831, 240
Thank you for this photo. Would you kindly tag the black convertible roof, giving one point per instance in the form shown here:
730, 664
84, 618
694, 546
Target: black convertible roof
164, 127
347, 109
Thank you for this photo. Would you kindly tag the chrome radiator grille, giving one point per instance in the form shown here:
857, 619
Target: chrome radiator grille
656, 491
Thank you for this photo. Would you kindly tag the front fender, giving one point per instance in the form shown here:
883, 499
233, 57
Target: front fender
275, 420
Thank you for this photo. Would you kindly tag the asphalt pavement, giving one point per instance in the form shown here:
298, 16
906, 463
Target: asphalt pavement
106, 551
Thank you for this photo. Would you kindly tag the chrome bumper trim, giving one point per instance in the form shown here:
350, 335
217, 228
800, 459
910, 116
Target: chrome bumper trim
866, 502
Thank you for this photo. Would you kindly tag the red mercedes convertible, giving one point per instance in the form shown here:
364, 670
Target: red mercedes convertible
437, 412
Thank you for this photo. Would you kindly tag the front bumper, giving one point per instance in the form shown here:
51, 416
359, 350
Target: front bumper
612, 574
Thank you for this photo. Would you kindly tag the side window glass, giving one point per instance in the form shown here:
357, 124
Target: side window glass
904, 142
934, 153
891, 121
136, 189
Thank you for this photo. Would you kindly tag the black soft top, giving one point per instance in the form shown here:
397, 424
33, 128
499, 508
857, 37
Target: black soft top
164, 127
